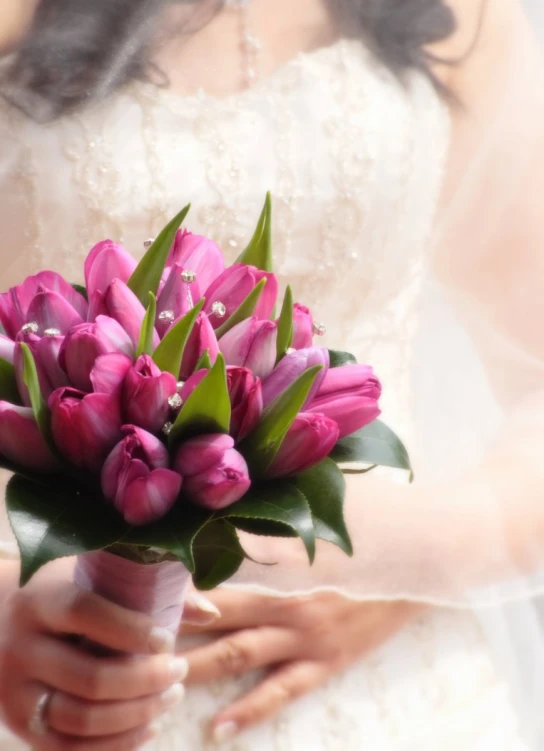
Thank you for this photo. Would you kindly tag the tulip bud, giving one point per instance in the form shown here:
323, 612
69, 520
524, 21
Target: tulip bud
201, 338
21, 441
109, 371
246, 400
303, 327
175, 300
106, 261
46, 353
15, 305
85, 343
146, 391
197, 254
251, 344
291, 367
137, 479
215, 475
349, 396
122, 304
85, 427
310, 439
232, 288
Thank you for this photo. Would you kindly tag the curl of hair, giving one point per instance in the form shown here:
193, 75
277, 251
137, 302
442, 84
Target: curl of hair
78, 50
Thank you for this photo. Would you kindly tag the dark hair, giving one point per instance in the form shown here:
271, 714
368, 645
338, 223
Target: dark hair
81, 49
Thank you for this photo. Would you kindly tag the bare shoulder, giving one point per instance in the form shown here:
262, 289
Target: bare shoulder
15, 18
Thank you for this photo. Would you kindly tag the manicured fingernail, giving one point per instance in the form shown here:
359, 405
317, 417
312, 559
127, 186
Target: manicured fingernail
206, 611
224, 732
161, 640
179, 667
172, 695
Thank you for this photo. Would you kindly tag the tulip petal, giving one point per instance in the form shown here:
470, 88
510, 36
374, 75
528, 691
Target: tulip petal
21, 441
199, 454
146, 391
51, 311
107, 261
201, 339
7, 349
123, 305
199, 254
148, 499
310, 439
109, 372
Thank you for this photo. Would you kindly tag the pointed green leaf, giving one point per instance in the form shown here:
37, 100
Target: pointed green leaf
30, 375
208, 409
285, 324
145, 345
337, 359
8, 383
169, 353
376, 444
217, 553
279, 504
82, 291
259, 251
262, 445
56, 520
244, 311
324, 488
147, 275
205, 362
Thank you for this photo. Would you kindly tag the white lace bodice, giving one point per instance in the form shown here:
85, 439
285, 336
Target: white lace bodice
352, 158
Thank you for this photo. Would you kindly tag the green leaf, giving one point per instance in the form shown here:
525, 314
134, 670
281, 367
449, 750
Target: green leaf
324, 488
282, 505
169, 353
341, 358
376, 444
244, 311
208, 409
174, 533
205, 362
145, 345
262, 445
82, 291
30, 375
259, 251
8, 383
147, 275
285, 324
54, 520
217, 553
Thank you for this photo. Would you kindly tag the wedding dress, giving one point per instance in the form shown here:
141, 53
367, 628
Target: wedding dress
355, 162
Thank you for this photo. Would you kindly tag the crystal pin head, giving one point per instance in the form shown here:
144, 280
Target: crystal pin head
219, 309
319, 329
30, 328
180, 385
175, 401
149, 242
290, 351
52, 332
166, 315
188, 276
167, 429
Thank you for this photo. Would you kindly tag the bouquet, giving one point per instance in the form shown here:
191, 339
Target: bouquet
153, 413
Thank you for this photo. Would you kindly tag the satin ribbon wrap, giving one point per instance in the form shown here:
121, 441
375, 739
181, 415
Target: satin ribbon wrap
156, 589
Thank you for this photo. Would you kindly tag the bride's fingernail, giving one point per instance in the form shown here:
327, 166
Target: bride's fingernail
179, 667
172, 695
161, 640
224, 732
205, 611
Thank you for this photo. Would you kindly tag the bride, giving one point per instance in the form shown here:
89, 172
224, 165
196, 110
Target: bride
398, 137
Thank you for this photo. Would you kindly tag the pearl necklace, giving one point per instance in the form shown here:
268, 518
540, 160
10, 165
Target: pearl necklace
250, 45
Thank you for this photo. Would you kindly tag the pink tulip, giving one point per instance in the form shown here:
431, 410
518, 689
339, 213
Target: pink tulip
21, 441
303, 327
7, 349
310, 439
85, 427
51, 312
175, 299
146, 391
201, 338
120, 303
215, 475
349, 396
291, 367
137, 479
45, 351
15, 304
85, 343
198, 254
191, 383
246, 400
109, 371
107, 261
232, 288
251, 344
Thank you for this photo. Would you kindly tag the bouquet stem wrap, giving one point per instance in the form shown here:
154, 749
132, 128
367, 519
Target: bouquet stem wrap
156, 589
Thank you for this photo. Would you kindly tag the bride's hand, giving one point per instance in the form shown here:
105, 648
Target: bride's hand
92, 703
303, 640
